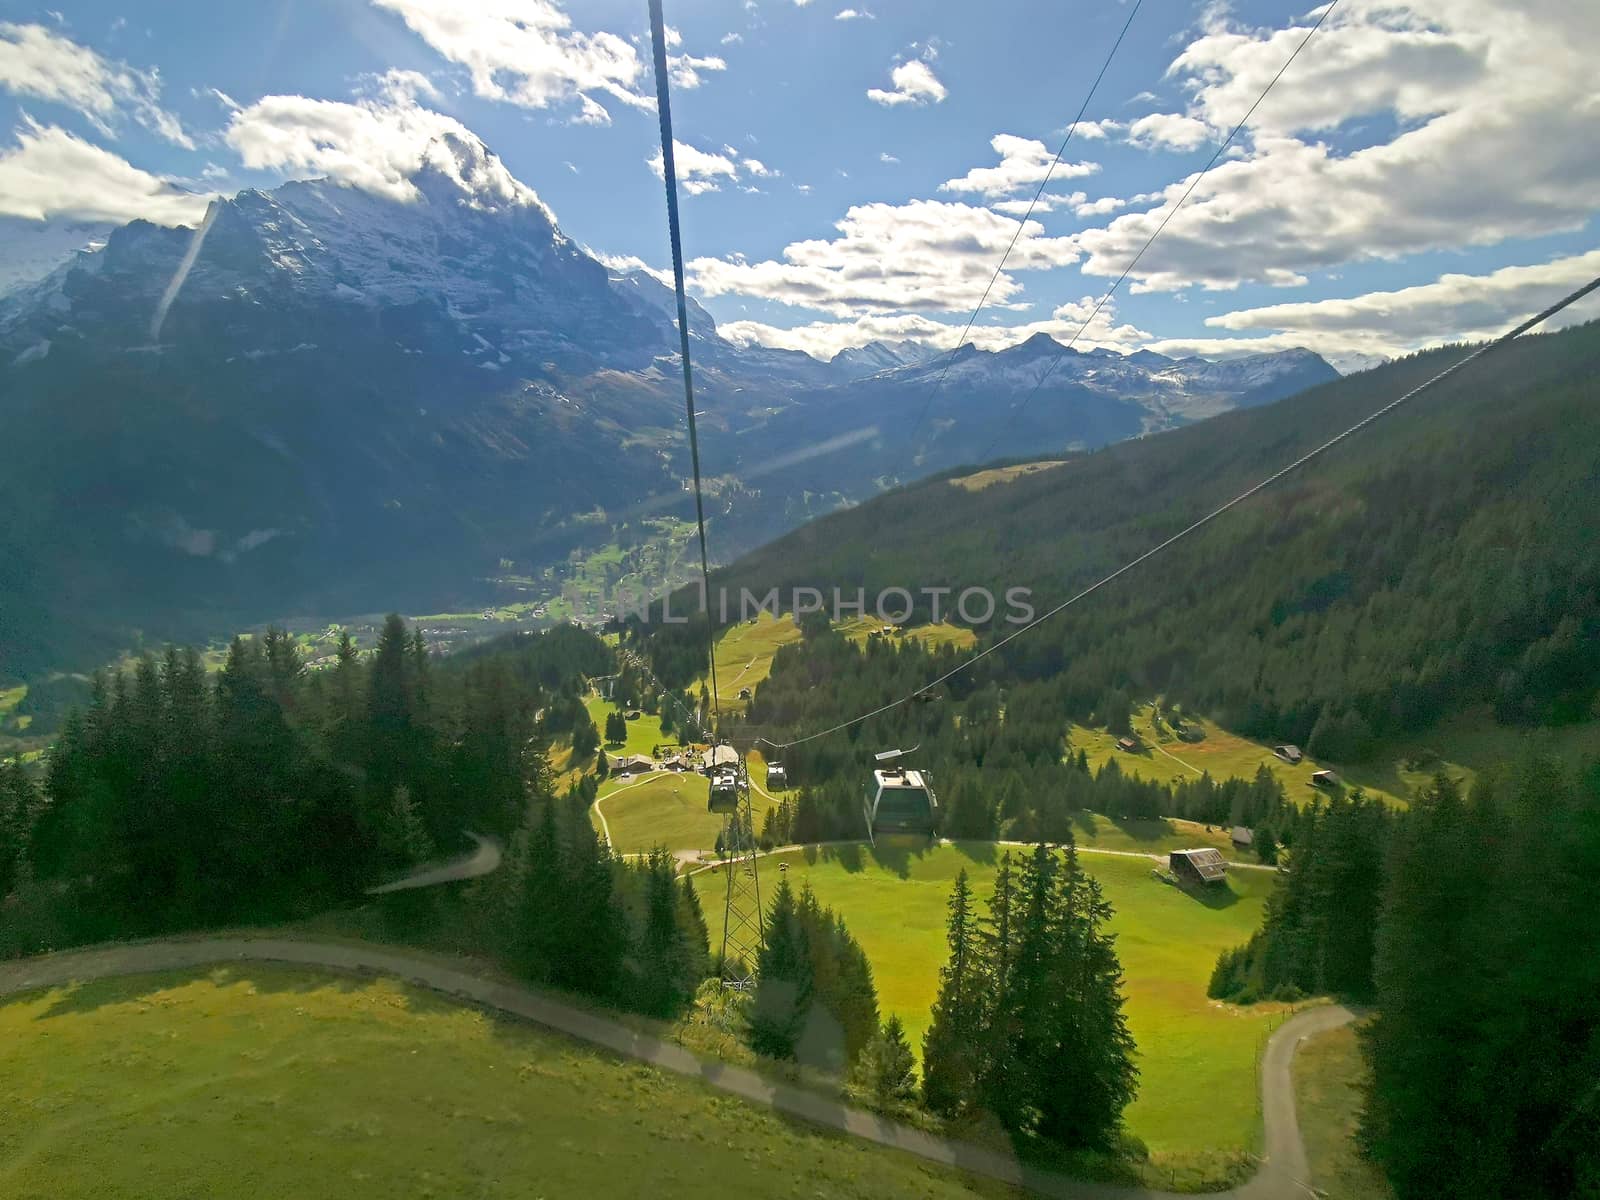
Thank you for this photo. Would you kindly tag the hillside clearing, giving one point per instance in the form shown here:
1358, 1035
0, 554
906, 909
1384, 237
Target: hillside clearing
666, 809
1197, 1095
979, 480
273, 1081
745, 652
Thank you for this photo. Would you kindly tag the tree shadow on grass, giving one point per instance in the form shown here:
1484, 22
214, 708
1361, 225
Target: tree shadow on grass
983, 853
264, 978
1144, 829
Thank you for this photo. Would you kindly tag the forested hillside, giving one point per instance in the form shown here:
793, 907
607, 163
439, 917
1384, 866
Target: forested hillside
1440, 558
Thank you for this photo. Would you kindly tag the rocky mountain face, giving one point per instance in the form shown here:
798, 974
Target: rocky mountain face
325, 400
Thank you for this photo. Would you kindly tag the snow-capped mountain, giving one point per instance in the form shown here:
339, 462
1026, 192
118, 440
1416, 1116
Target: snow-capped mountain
328, 399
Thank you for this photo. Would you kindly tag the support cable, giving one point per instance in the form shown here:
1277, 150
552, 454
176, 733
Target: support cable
669, 171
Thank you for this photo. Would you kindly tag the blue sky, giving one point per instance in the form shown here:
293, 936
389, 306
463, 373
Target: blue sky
1424, 171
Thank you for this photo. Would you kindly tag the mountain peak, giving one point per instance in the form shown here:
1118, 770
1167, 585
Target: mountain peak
458, 168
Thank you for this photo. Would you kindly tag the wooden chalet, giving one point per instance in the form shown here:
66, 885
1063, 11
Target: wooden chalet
1326, 779
1289, 753
1242, 837
1131, 745
1198, 866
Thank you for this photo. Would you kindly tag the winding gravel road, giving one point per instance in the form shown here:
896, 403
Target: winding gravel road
1282, 1175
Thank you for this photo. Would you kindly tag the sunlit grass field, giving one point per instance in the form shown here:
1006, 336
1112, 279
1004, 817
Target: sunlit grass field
644, 734
259, 1081
745, 652
1461, 746
1198, 1058
1223, 754
664, 810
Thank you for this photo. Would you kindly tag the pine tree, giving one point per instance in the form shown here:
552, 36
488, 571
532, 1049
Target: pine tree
886, 1068
950, 1048
784, 982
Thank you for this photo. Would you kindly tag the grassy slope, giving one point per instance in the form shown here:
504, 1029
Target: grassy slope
643, 735
744, 654
858, 629
1327, 1078
1223, 754
668, 810
1198, 1092
264, 1081
1465, 744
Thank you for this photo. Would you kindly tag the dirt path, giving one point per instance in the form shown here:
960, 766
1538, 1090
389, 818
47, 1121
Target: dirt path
1283, 1169
485, 859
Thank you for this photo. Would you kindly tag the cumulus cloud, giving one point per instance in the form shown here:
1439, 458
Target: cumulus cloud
38, 62
698, 171
50, 173
853, 14
1484, 139
1023, 163
1448, 309
925, 255
377, 144
526, 52
1169, 131
914, 83
684, 69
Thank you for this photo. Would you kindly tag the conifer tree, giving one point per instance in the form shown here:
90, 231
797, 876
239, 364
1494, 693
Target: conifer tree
784, 981
886, 1068
950, 1048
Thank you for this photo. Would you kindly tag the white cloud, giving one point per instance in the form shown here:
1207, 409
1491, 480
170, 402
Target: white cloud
50, 173
925, 255
525, 52
36, 61
1169, 131
1023, 163
914, 83
732, 39
1480, 139
684, 69
854, 14
1078, 202
377, 144
1454, 307
698, 170
760, 169
886, 157
624, 264
1094, 130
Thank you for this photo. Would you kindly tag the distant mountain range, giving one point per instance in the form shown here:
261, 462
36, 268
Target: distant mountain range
326, 400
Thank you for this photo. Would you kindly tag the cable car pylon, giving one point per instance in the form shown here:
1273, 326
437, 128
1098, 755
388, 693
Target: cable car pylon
743, 926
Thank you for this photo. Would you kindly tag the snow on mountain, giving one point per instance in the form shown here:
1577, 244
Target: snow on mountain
881, 356
31, 250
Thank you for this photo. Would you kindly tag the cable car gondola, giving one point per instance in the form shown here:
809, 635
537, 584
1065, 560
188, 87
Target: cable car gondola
899, 800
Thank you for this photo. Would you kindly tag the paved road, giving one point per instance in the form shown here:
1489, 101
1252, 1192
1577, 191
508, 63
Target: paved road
482, 861
1281, 1177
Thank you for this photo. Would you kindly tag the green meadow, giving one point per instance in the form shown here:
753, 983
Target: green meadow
1197, 1094
265, 1081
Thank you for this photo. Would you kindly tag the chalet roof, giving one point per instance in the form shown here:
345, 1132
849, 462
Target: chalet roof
1242, 836
720, 756
1208, 862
